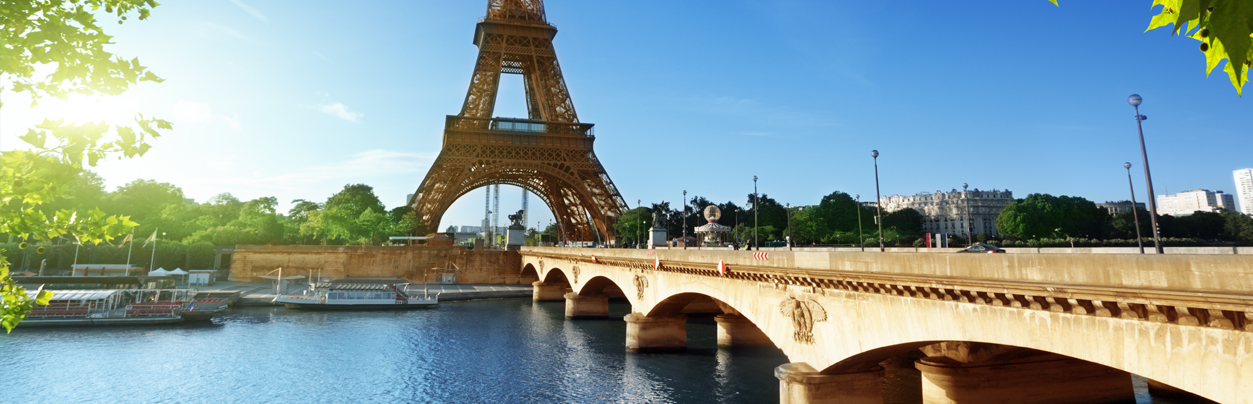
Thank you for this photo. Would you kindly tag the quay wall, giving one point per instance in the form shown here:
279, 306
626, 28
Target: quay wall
412, 263
1148, 249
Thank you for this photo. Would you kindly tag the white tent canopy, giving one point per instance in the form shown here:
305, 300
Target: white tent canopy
178, 271
159, 272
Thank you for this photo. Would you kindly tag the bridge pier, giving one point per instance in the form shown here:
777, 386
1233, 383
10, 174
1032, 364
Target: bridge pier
737, 331
586, 306
800, 383
655, 334
1055, 379
548, 292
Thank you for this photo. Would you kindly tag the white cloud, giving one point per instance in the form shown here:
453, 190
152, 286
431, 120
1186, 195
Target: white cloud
232, 122
191, 112
251, 10
340, 110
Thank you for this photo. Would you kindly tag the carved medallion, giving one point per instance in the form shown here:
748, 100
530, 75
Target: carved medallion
640, 284
541, 266
804, 314
575, 270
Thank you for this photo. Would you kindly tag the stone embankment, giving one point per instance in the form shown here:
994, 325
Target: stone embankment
263, 293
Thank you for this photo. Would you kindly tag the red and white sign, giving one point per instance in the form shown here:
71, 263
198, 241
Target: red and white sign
722, 268
761, 256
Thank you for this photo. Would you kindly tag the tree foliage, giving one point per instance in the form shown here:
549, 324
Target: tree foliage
1048, 216
1224, 28
64, 35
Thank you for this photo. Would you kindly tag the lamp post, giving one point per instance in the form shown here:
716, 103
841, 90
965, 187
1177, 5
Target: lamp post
860, 241
789, 225
878, 200
755, 212
684, 226
1135, 101
969, 221
638, 224
1135, 214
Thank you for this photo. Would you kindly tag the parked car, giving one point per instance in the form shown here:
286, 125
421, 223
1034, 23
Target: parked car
982, 248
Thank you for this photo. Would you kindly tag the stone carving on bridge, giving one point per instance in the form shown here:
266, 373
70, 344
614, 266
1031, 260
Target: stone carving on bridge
641, 283
804, 314
575, 271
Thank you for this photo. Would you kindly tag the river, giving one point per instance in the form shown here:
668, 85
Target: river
483, 351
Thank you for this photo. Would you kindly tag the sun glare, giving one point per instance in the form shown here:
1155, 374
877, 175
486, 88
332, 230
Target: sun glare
82, 109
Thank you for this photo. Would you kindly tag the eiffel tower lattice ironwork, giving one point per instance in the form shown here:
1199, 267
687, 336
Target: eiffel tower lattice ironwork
549, 153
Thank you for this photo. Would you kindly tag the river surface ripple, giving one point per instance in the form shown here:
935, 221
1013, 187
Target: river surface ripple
486, 351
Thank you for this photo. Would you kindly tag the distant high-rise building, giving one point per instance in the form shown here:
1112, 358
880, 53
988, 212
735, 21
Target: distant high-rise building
1120, 207
1244, 189
945, 212
1187, 202
408, 199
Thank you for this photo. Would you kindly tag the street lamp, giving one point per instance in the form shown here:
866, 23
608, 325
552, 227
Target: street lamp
684, 226
638, 224
755, 245
1135, 101
860, 241
1135, 214
878, 199
969, 221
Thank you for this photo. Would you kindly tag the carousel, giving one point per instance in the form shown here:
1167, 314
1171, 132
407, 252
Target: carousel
715, 234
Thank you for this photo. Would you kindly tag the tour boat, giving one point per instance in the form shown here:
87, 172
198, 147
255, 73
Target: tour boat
358, 294
121, 307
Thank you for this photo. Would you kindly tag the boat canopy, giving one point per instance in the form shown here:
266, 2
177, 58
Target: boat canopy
354, 286
75, 295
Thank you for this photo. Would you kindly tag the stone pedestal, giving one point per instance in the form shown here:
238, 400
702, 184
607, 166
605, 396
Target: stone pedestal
586, 306
800, 383
515, 238
737, 331
548, 292
945, 381
657, 237
655, 334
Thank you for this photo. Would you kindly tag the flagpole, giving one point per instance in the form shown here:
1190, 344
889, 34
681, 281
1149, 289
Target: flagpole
153, 262
129, 251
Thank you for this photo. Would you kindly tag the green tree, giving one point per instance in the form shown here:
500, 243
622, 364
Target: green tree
1047, 216
1238, 227
632, 227
64, 35
904, 222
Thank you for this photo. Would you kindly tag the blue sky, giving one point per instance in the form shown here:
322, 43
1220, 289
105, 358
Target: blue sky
295, 99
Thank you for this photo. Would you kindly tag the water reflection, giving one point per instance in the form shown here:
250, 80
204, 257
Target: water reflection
507, 350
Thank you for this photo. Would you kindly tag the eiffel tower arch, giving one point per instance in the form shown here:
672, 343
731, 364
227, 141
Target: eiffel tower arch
549, 153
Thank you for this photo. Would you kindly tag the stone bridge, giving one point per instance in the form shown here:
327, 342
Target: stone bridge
1023, 328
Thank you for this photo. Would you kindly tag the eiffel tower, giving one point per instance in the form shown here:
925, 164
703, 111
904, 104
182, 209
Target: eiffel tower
549, 153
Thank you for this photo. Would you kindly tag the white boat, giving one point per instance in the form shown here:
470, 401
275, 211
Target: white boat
359, 294
121, 307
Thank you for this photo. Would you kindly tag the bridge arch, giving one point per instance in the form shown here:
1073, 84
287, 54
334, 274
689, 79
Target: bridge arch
601, 285
528, 275
555, 275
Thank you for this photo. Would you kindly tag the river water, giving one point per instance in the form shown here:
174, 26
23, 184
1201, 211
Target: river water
484, 351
